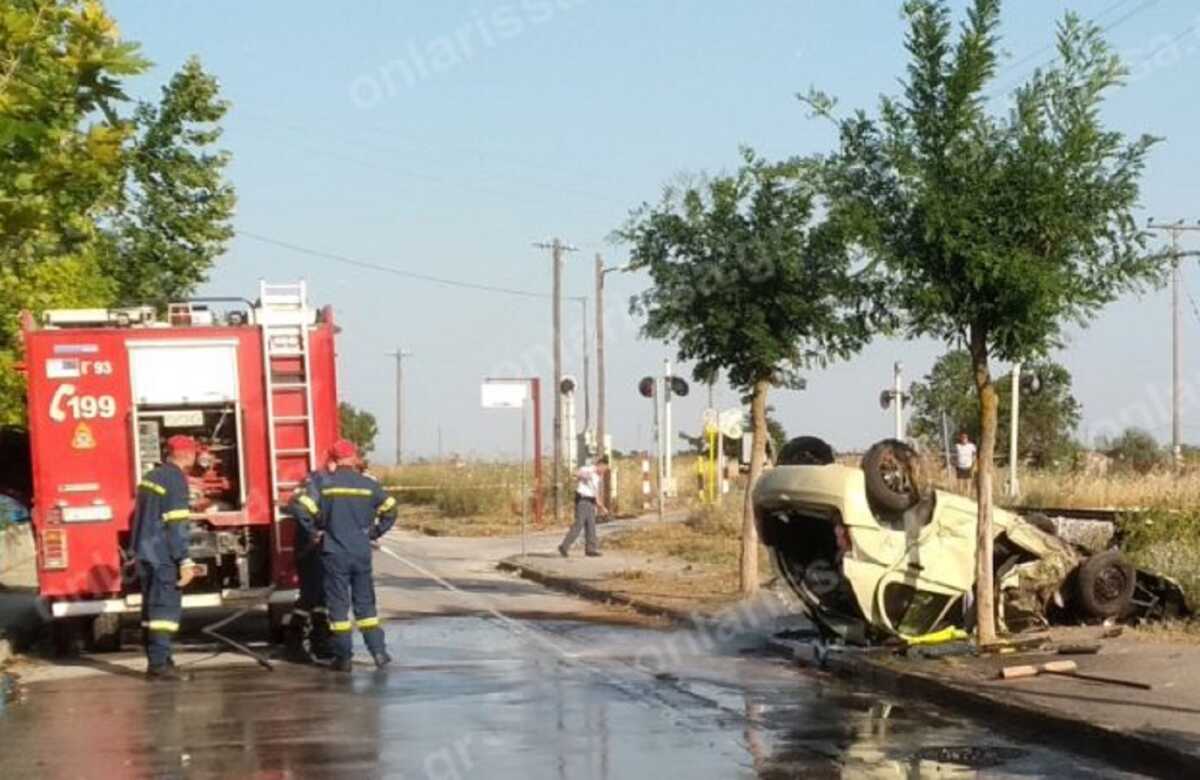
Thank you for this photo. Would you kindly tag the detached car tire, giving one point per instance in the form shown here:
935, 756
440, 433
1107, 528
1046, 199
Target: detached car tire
1104, 585
805, 451
889, 468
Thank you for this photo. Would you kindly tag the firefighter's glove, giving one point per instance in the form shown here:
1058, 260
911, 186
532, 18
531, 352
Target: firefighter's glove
187, 572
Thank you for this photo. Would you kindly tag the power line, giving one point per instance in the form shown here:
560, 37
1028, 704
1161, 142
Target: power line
297, 134
1050, 46
371, 266
1107, 28
1195, 309
1187, 31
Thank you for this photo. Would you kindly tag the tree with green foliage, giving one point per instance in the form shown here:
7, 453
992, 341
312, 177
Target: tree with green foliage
62, 144
1049, 417
97, 209
62, 162
175, 219
359, 426
996, 229
1135, 450
747, 281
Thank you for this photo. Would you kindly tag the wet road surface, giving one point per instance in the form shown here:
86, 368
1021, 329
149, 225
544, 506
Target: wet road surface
474, 696
469, 697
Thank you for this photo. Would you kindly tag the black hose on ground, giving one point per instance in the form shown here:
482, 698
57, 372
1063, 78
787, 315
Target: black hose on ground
212, 629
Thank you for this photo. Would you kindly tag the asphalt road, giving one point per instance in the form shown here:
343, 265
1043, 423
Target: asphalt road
495, 678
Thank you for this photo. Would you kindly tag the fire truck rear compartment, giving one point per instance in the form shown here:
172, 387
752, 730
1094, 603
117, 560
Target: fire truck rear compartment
230, 554
216, 481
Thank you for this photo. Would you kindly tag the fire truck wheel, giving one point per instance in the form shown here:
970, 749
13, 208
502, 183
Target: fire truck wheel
66, 636
277, 613
105, 634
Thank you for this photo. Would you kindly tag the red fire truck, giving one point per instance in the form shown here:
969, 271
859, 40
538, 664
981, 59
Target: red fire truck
254, 382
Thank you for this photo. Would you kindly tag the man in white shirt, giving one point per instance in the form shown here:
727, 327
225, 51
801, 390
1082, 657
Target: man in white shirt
589, 488
964, 461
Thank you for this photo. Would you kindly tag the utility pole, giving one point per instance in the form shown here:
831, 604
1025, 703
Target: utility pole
587, 393
400, 354
601, 378
1014, 488
667, 449
557, 248
1175, 230
600, 409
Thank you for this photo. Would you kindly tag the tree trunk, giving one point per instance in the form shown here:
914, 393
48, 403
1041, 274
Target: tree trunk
758, 456
985, 607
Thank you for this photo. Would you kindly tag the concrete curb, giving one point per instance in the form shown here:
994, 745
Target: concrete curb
573, 586
1135, 751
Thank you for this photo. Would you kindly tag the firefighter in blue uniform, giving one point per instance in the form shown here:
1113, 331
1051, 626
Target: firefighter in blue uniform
308, 623
159, 543
354, 512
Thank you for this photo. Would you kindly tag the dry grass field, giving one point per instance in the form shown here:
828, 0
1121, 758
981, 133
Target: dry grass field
484, 498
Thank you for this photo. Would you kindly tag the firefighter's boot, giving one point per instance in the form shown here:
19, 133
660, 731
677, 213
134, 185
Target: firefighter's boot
320, 640
382, 659
167, 672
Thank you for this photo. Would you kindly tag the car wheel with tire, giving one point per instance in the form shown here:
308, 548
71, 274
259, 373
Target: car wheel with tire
1104, 585
806, 451
67, 636
892, 474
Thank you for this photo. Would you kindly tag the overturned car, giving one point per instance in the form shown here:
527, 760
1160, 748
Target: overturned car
873, 553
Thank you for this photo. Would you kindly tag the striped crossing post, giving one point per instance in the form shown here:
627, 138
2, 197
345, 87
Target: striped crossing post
646, 489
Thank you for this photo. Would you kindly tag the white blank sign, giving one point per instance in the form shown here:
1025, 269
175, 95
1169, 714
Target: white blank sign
504, 395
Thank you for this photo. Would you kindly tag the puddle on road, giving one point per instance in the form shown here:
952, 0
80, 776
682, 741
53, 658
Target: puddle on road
471, 697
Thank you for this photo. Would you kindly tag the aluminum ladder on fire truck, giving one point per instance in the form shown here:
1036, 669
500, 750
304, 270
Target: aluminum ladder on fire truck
284, 316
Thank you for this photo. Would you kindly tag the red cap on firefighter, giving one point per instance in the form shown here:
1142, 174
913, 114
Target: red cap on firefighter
180, 443
343, 450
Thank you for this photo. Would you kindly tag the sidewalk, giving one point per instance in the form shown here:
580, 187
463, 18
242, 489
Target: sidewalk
1158, 728
18, 590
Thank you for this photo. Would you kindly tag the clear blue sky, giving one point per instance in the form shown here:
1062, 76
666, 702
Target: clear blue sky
443, 138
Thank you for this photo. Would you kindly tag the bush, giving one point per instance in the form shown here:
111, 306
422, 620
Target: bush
1134, 449
1166, 542
723, 519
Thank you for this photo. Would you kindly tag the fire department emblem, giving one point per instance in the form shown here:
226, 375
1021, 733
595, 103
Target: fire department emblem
83, 438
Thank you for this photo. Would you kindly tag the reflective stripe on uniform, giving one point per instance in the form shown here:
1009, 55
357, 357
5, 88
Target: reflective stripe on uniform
163, 626
320, 610
152, 487
340, 626
367, 624
300, 612
175, 515
308, 504
387, 506
344, 491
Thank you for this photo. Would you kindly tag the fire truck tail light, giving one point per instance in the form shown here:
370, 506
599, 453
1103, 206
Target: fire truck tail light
54, 549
